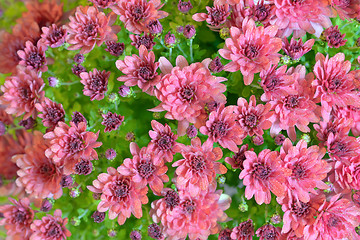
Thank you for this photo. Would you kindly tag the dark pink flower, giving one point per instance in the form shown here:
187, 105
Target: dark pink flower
50, 227
114, 48
252, 49
154, 231
252, 118
90, 27
169, 39
33, 57
17, 218
269, 232
83, 167
262, 174
77, 118
53, 36
215, 65
333, 37
98, 216
191, 131
103, 3
198, 169
120, 195
79, 58
222, 128
154, 27
225, 234
147, 40
216, 15
112, 121
245, 231
95, 83
238, 159
136, 14
184, 7
77, 69
144, 168
296, 49
140, 70
52, 112
189, 31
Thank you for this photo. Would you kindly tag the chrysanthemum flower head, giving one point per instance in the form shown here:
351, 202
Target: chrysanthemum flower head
112, 121
33, 57
333, 37
53, 36
251, 49
245, 231
296, 48
95, 83
269, 231
346, 9
216, 15
52, 113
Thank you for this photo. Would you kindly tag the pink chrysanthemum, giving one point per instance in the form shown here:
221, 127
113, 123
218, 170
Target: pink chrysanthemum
72, 142
345, 177
185, 90
95, 83
245, 231
90, 27
52, 113
144, 168
296, 49
21, 92
307, 167
112, 121
17, 218
120, 195
350, 114
147, 40
346, 8
140, 70
163, 142
103, 3
193, 217
33, 57
197, 171
216, 15
336, 220
342, 148
136, 14
333, 37
298, 214
238, 159
268, 232
297, 109
38, 174
334, 84
252, 118
53, 36
336, 126
263, 174
222, 128
299, 17
251, 49
50, 227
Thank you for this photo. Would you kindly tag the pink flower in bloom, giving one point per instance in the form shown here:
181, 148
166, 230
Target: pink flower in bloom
346, 8
336, 220
140, 70
216, 15
299, 17
307, 167
17, 218
112, 121
163, 142
136, 14
103, 3
334, 85
252, 118
333, 37
71, 142
21, 92
238, 159
90, 27
95, 83
185, 90
197, 171
33, 57
263, 174
298, 214
245, 231
350, 114
296, 49
50, 227
297, 109
222, 128
38, 174
147, 40
251, 49
53, 36
268, 232
193, 217
336, 126
144, 169
344, 177
114, 48
52, 112
342, 148
120, 195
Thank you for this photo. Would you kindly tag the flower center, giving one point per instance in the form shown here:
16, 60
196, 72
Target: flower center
251, 120
261, 12
299, 171
146, 169
171, 199
25, 93
35, 59
188, 206
97, 83
165, 142
301, 210
333, 221
54, 230
138, 12
90, 29
197, 163
246, 229
47, 169
291, 101
219, 129
146, 73
187, 93
20, 216
75, 145
271, 83
251, 51
338, 147
261, 171
334, 84
121, 189
54, 115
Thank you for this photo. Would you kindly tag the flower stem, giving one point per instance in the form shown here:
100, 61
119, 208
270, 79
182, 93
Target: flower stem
170, 52
191, 51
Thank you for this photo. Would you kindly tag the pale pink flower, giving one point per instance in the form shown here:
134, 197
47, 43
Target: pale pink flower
299, 17
21, 92
136, 14
342, 148
344, 177
237, 161
103, 3
50, 227
308, 169
144, 168
17, 218
296, 49
346, 8
252, 118
251, 49
89, 27
216, 15
95, 83
120, 195
52, 113
53, 36
33, 57
336, 220
262, 174
196, 218
140, 70
185, 90
197, 171
337, 126
163, 142
351, 115
222, 128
